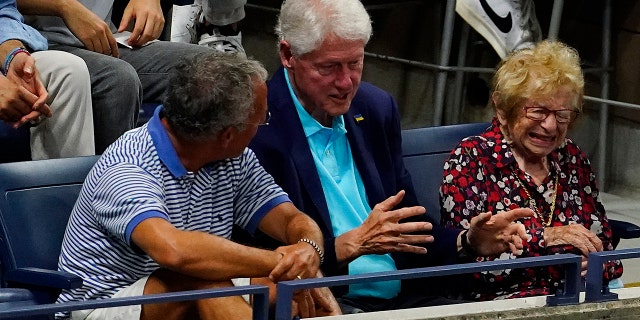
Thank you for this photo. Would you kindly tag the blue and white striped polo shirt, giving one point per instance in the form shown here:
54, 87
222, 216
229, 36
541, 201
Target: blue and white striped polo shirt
139, 177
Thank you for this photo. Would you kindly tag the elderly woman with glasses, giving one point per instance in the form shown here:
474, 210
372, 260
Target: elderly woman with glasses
525, 160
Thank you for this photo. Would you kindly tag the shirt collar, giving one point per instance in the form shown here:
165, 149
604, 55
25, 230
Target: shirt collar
166, 152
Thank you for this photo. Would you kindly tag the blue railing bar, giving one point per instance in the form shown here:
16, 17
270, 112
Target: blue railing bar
596, 291
260, 302
612, 102
569, 296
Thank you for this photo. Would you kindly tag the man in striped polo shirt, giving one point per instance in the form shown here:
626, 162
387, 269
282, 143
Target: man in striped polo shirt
156, 212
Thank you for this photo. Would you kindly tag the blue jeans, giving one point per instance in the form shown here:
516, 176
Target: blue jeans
119, 86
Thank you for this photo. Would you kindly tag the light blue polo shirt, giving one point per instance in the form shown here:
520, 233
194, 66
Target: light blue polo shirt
345, 195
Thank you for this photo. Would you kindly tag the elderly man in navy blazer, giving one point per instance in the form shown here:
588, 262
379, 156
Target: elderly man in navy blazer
334, 145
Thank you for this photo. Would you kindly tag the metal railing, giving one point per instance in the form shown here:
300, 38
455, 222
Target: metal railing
260, 302
570, 294
596, 290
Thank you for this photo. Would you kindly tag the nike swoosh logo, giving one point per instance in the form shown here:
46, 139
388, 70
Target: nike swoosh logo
503, 23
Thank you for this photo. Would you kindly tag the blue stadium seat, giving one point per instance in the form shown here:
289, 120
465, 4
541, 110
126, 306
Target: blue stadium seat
424, 152
426, 149
35, 203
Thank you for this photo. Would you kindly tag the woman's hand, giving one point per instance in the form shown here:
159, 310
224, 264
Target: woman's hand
575, 235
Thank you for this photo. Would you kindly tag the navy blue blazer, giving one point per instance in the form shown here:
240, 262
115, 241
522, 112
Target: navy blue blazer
374, 134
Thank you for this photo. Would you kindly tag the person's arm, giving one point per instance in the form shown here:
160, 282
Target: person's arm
92, 31
200, 254
23, 96
487, 234
595, 235
304, 249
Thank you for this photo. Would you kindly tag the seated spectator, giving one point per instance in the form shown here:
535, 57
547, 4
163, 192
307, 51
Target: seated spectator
212, 23
121, 77
333, 144
524, 160
156, 212
48, 90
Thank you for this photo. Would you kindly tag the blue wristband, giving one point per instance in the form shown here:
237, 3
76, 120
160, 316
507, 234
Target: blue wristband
12, 54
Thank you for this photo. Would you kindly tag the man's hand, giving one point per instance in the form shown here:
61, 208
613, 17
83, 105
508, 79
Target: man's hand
298, 260
92, 31
316, 302
382, 232
22, 71
494, 234
148, 18
325, 303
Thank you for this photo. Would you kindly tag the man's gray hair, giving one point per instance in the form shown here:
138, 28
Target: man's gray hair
210, 92
304, 24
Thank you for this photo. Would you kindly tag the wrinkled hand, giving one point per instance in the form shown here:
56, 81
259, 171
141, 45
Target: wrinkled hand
148, 18
494, 234
23, 72
382, 232
92, 31
575, 235
298, 260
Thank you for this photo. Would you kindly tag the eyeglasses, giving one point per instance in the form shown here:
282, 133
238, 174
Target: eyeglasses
540, 114
265, 123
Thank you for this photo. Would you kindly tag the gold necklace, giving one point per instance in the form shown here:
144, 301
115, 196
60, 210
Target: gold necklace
533, 202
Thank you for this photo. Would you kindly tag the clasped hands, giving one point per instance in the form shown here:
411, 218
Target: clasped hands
22, 95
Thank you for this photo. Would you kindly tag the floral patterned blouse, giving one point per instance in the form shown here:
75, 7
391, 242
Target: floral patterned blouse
482, 175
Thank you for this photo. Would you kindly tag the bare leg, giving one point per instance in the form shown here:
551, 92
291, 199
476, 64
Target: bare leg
164, 280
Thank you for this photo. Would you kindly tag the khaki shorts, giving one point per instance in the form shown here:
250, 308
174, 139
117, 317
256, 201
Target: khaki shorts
132, 312
116, 313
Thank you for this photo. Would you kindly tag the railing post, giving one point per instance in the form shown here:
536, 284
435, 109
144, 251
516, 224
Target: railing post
596, 290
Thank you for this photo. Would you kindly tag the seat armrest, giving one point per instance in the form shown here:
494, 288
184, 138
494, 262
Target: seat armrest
624, 230
29, 277
15, 295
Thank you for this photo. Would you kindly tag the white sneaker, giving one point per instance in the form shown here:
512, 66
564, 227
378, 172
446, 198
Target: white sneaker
183, 23
225, 44
508, 25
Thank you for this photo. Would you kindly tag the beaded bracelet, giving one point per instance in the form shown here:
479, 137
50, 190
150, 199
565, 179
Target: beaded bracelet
12, 54
315, 247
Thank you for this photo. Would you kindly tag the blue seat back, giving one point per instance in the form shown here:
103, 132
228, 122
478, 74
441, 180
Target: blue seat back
36, 199
424, 152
